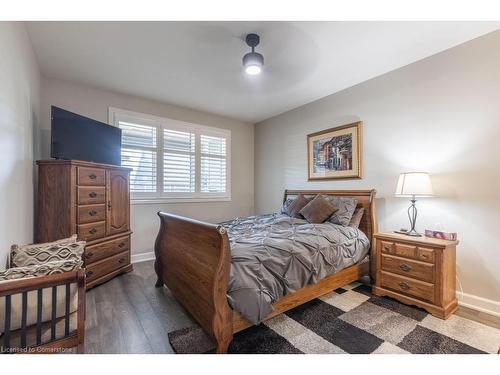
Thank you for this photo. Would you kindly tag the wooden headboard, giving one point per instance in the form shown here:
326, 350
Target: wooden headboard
365, 198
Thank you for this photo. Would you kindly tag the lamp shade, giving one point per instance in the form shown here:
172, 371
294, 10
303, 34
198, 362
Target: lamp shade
416, 184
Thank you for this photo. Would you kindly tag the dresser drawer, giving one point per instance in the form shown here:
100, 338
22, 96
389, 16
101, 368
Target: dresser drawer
410, 287
408, 268
425, 254
91, 176
106, 266
106, 249
91, 231
91, 213
91, 194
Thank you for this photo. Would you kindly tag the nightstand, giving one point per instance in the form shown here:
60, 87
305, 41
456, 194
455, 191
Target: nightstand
417, 271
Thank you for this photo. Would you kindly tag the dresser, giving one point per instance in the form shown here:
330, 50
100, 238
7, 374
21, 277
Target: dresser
93, 201
417, 271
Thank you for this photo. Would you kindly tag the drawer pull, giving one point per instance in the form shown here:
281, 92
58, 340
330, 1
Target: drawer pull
121, 260
93, 231
93, 213
89, 255
405, 267
121, 244
92, 176
92, 194
89, 273
404, 286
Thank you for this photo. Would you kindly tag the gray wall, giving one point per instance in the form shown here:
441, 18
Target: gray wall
94, 103
19, 105
440, 115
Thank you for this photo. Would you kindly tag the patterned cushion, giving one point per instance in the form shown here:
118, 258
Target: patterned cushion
30, 255
356, 217
318, 210
296, 205
345, 209
48, 268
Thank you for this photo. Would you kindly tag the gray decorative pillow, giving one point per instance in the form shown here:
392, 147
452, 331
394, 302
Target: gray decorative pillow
294, 207
344, 210
30, 255
284, 207
356, 217
45, 269
318, 210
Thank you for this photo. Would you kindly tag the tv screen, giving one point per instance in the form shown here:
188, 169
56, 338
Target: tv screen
81, 138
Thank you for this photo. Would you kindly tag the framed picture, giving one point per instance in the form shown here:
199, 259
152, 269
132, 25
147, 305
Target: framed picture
335, 153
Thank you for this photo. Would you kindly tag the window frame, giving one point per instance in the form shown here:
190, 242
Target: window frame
116, 114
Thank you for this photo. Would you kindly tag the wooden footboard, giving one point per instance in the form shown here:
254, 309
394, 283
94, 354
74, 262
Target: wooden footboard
193, 260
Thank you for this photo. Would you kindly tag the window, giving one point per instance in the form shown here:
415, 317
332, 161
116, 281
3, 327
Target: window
173, 160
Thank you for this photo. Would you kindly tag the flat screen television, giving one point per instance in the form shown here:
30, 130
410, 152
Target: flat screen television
81, 138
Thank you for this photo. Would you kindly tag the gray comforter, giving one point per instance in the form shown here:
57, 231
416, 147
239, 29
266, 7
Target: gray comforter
274, 255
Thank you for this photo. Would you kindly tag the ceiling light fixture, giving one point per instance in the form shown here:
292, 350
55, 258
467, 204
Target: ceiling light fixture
253, 61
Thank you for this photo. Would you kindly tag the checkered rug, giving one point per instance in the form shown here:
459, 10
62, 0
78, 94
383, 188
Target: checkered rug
352, 320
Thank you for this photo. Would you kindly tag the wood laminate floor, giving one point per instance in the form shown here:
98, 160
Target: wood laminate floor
129, 315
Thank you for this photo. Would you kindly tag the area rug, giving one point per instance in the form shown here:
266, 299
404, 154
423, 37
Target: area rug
351, 320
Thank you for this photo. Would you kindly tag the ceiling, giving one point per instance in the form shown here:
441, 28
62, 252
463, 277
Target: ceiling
198, 64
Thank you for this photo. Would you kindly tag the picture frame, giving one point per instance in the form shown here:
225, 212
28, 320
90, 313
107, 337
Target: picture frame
336, 153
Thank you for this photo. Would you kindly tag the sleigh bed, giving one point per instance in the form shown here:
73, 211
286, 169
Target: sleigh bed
193, 259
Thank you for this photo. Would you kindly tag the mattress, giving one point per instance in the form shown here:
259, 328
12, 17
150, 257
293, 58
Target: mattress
274, 255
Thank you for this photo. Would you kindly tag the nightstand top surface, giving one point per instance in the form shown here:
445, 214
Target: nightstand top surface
417, 240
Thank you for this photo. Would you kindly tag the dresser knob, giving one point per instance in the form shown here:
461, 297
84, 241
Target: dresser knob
404, 286
92, 176
89, 273
89, 255
93, 194
93, 231
93, 213
121, 244
405, 267
121, 260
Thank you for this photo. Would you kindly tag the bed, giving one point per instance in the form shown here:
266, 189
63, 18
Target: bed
194, 260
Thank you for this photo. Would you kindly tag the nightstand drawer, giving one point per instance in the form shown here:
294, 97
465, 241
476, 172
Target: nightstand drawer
410, 287
407, 251
387, 247
425, 254
408, 268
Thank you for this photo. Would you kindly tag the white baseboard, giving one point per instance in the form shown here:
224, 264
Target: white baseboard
464, 299
487, 306
142, 257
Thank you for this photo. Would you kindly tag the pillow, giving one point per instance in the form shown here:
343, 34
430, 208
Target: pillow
344, 210
30, 255
318, 210
356, 217
48, 268
295, 206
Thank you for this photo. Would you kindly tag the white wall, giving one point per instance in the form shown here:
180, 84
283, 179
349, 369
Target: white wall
19, 105
440, 115
94, 103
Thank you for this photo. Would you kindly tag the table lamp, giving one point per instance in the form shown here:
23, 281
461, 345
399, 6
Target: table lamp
413, 185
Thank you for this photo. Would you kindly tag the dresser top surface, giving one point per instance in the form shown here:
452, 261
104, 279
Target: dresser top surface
81, 163
415, 240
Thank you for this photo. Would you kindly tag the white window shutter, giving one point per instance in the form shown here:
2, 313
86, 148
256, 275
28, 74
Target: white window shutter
178, 161
213, 164
139, 152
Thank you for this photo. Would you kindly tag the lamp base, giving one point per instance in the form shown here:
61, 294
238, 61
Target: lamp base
412, 233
